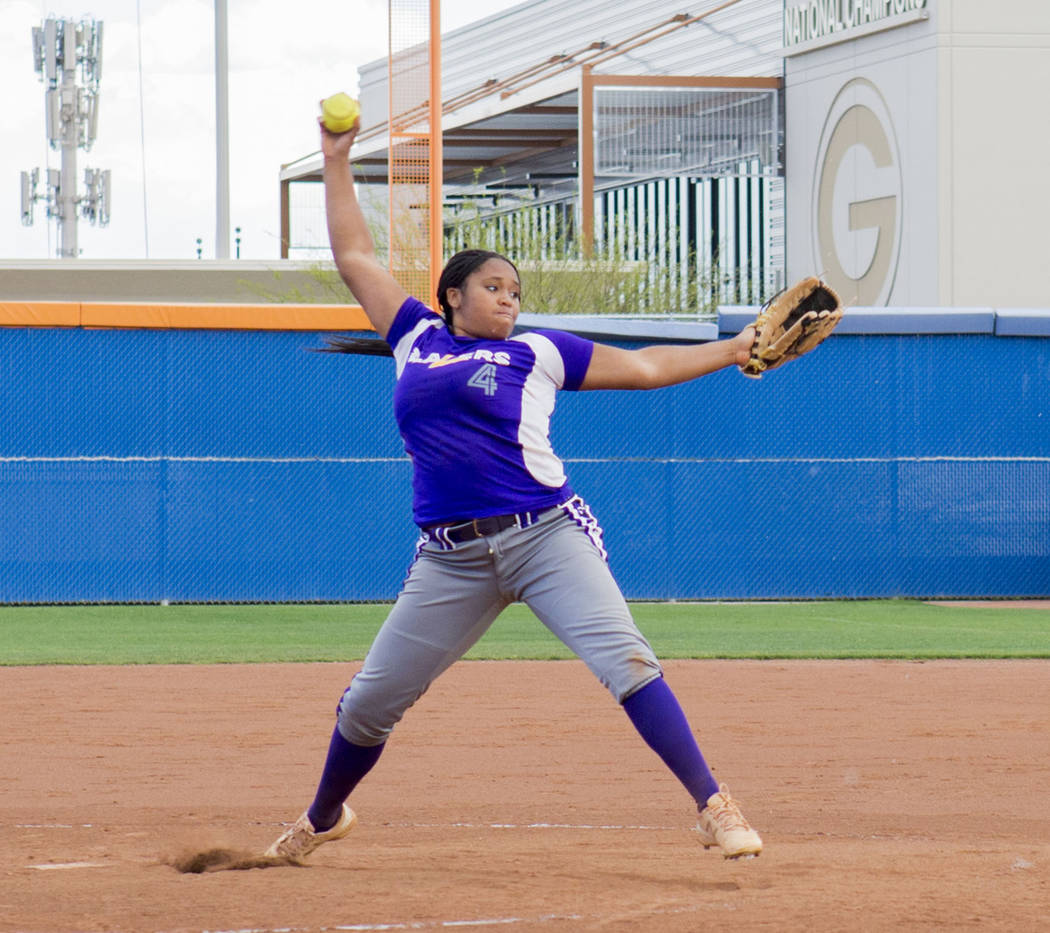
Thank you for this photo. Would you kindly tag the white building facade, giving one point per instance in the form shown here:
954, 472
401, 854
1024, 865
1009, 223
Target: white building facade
916, 159
910, 163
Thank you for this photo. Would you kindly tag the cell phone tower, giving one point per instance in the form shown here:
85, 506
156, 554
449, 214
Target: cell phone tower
63, 51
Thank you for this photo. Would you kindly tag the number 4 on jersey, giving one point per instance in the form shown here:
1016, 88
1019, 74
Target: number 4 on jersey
484, 378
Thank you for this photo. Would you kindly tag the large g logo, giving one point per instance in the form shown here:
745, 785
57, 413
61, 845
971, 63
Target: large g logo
857, 197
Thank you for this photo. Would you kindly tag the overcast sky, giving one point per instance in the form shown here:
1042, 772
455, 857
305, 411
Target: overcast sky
283, 57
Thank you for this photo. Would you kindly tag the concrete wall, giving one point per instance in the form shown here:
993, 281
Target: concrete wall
171, 280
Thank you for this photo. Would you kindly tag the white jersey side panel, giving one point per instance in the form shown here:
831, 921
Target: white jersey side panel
404, 345
537, 404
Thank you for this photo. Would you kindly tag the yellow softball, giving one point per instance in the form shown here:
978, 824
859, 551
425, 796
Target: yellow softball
339, 112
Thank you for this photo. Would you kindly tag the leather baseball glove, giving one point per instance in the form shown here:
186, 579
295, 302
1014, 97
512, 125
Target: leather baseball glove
791, 324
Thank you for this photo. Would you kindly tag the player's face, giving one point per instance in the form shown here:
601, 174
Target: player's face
487, 305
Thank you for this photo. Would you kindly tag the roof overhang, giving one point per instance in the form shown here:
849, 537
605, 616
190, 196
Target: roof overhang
495, 140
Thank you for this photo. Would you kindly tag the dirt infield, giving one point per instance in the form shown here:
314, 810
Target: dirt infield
891, 795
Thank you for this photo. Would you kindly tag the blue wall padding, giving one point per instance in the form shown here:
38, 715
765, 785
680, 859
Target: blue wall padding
238, 466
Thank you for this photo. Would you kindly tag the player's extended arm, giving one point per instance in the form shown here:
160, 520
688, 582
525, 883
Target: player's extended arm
664, 365
352, 246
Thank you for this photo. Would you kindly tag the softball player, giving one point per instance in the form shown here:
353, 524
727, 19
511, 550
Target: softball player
499, 521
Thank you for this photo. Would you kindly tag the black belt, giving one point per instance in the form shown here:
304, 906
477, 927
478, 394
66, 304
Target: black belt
481, 527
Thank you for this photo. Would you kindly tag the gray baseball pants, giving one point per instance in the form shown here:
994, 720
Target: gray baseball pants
557, 567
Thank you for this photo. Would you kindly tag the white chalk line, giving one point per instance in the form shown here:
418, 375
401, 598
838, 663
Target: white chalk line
568, 826
408, 925
596, 826
441, 826
53, 826
456, 825
473, 923
479, 923
451, 924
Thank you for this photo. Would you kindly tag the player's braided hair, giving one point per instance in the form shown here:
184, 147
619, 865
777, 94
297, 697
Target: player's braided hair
457, 270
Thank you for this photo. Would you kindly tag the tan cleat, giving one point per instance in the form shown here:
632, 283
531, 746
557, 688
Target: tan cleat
301, 838
722, 824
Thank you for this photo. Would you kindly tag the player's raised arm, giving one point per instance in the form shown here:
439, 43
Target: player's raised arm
352, 246
658, 366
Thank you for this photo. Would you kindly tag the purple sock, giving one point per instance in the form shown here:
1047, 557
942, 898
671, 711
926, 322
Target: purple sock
343, 769
659, 719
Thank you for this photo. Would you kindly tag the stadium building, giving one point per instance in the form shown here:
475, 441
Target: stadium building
743, 144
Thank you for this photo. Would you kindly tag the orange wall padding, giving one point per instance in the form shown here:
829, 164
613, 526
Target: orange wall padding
132, 315
39, 314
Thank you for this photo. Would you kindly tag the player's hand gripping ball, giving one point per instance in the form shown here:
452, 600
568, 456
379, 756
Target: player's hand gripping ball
792, 323
339, 112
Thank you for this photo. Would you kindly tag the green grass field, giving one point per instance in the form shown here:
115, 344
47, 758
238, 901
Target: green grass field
212, 634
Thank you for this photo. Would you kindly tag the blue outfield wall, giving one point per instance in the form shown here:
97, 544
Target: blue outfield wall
238, 466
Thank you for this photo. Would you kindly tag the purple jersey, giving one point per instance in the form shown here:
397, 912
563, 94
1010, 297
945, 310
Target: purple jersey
475, 416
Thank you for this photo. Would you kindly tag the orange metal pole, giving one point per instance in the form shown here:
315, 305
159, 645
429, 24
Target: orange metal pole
390, 134
437, 171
